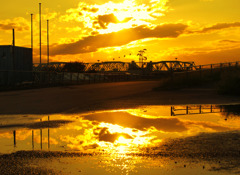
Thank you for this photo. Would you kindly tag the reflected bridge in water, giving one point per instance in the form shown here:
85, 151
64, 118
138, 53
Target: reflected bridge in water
196, 109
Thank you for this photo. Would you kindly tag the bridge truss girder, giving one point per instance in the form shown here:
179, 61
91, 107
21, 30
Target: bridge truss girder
120, 66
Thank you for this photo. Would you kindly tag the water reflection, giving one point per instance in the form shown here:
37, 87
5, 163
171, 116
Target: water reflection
120, 131
196, 109
231, 110
118, 138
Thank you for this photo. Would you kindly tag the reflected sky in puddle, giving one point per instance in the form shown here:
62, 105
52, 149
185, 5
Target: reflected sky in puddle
132, 140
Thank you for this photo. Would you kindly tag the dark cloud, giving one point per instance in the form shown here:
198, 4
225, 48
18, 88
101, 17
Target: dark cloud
229, 41
95, 33
105, 135
218, 26
93, 43
92, 146
15, 26
104, 20
80, 13
131, 121
93, 10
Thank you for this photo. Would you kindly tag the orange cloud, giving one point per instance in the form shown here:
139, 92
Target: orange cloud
131, 121
212, 56
125, 36
19, 24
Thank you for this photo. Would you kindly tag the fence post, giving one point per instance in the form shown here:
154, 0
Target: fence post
48, 78
78, 78
200, 72
172, 113
89, 78
187, 77
71, 76
63, 78
171, 74
40, 77
211, 70
7, 79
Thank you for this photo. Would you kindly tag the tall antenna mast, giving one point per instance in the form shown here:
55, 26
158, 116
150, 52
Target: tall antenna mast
13, 38
40, 39
32, 31
48, 41
13, 49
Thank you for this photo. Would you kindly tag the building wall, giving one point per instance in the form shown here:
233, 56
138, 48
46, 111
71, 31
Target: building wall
15, 58
15, 65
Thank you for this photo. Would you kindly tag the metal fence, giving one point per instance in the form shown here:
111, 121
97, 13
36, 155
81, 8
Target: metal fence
207, 70
17, 79
25, 79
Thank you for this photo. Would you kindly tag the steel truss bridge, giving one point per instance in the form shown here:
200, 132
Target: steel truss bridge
116, 66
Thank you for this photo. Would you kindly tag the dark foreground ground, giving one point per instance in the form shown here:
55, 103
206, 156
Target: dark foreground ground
75, 99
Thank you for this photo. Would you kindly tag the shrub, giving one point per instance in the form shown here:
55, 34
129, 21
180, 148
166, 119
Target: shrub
74, 67
229, 83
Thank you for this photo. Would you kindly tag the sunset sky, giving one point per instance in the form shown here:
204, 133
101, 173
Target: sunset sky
204, 31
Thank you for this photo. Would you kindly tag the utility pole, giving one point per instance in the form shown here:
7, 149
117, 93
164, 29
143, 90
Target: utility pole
13, 49
13, 41
32, 34
40, 23
32, 31
47, 41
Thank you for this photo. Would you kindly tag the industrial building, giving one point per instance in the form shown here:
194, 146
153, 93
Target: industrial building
15, 64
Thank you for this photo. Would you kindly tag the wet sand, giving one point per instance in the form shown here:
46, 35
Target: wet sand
83, 98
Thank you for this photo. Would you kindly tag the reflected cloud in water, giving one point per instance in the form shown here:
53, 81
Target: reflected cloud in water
132, 128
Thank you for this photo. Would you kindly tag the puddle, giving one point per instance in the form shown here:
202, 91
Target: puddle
191, 139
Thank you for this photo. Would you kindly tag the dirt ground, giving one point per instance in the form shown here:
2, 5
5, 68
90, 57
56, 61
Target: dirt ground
83, 98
